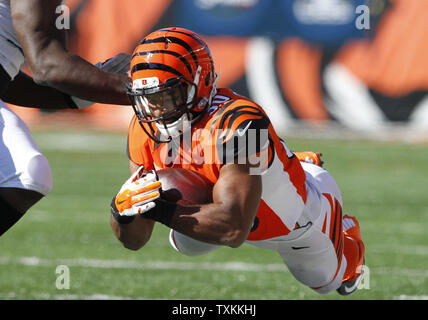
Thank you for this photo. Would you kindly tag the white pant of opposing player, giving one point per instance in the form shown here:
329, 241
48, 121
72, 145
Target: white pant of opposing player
22, 165
308, 252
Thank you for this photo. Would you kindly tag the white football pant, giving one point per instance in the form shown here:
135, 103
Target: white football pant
22, 165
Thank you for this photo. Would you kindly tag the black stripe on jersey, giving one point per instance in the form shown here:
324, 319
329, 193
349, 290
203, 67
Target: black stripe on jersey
173, 53
333, 236
337, 220
238, 109
176, 41
200, 42
244, 144
339, 214
155, 66
261, 123
238, 148
219, 114
272, 151
255, 224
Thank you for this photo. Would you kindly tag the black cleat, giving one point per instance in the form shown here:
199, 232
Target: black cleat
351, 286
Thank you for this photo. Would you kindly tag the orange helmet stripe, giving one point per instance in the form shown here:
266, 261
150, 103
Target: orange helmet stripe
155, 66
168, 39
173, 53
202, 43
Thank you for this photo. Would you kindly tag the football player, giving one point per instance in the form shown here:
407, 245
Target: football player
263, 194
61, 80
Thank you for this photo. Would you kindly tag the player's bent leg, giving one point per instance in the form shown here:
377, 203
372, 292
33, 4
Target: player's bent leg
22, 191
354, 252
22, 165
189, 246
25, 174
19, 200
316, 257
322, 180
313, 261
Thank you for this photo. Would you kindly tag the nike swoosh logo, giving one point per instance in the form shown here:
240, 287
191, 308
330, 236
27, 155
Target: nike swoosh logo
352, 288
298, 248
241, 132
355, 285
120, 202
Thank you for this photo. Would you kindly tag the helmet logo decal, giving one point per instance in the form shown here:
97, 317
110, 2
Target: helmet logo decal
145, 83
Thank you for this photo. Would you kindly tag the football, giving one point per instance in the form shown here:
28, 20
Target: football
185, 186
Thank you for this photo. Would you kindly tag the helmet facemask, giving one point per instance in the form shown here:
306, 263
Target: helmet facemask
168, 106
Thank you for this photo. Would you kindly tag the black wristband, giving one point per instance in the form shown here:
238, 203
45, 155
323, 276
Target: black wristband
116, 215
162, 213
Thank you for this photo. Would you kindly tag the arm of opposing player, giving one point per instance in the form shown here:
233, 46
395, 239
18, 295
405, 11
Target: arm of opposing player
228, 220
23, 91
46, 53
136, 234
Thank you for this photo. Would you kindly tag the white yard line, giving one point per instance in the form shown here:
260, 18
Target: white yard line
171, 265
417, 250
80, 141
150, 265
48, 296
409, 297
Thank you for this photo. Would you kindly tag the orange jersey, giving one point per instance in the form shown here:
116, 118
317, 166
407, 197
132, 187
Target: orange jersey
232, 129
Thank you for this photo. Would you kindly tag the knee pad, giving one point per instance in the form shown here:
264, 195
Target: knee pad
38, 175
336, 282
189, 246
311, 258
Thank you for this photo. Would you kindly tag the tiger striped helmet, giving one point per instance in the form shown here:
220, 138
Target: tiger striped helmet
172, 80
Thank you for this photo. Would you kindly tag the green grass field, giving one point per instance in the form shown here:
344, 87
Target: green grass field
383, 184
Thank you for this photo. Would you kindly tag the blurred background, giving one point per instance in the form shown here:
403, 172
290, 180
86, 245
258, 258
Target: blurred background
315, 64
332, 79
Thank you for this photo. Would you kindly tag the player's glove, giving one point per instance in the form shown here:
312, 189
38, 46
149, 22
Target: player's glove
141, 196
310, 157
119, 64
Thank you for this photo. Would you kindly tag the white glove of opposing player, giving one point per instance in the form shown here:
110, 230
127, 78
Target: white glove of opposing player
119, 64
137, 194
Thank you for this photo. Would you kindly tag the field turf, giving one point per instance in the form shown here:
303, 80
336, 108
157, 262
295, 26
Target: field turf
383, 185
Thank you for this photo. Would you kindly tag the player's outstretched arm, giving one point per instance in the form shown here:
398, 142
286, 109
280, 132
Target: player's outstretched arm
135, 232
52, 64
228, 220
23, 91
133, 235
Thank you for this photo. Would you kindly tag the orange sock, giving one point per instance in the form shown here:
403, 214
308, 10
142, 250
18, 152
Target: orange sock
354, 261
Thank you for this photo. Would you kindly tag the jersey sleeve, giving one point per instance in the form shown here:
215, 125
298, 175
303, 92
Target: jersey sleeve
241, 133
138, 146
